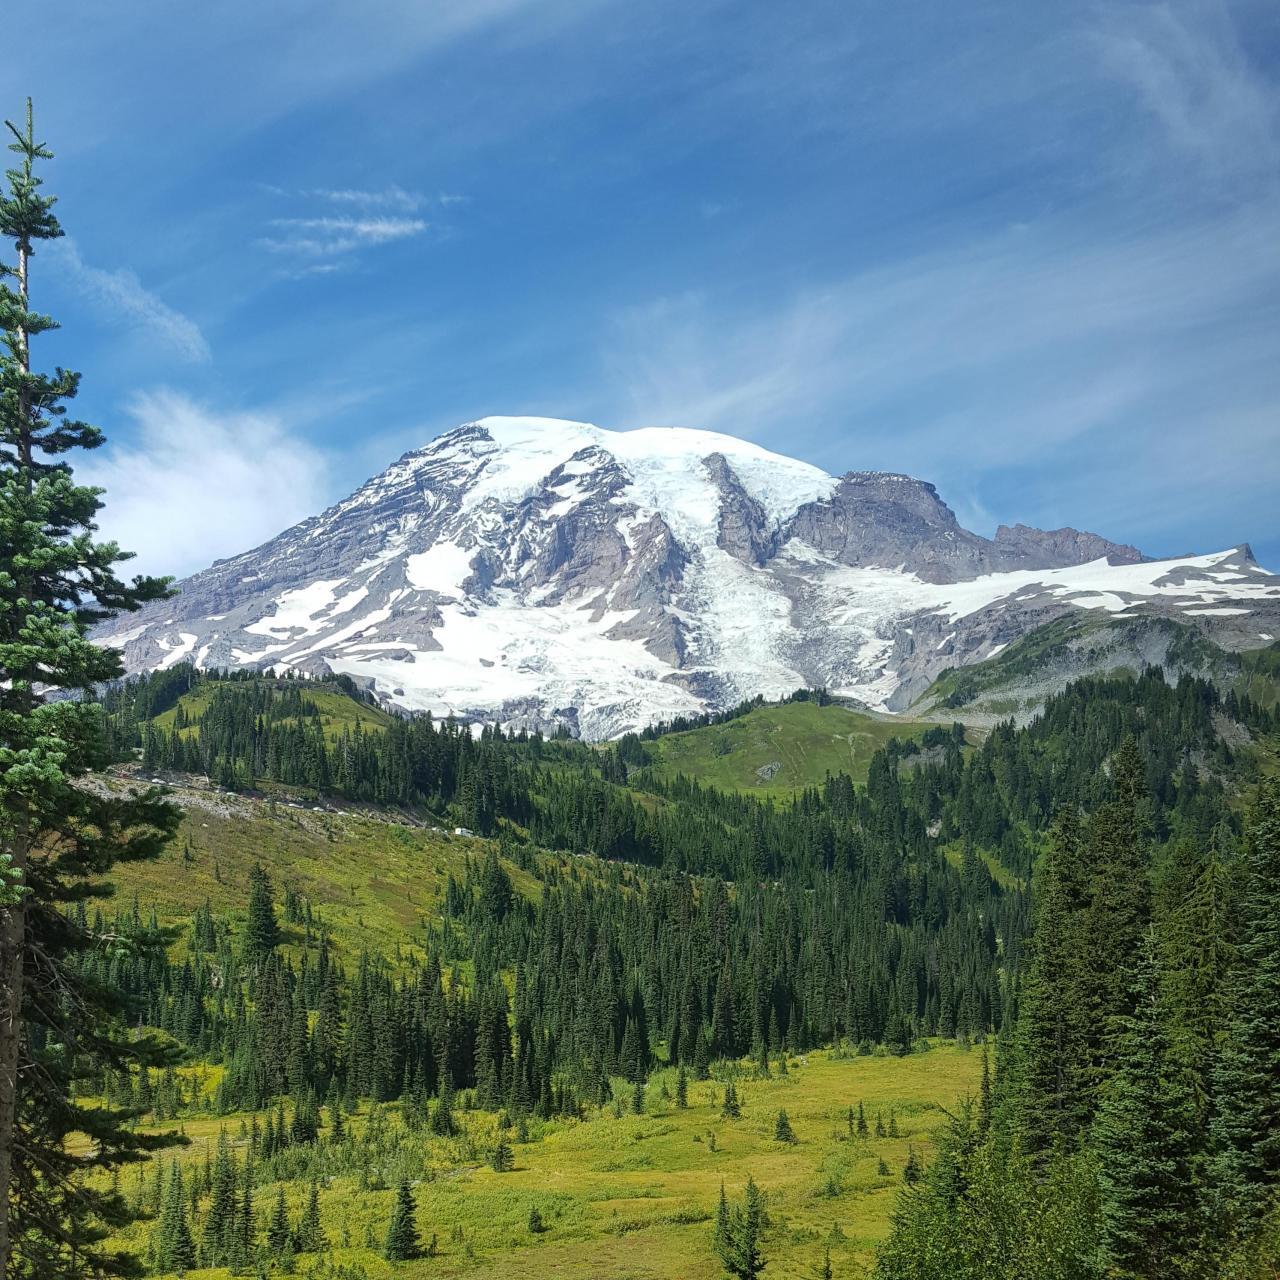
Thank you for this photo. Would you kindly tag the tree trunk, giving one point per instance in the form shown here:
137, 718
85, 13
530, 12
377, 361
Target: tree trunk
13, 931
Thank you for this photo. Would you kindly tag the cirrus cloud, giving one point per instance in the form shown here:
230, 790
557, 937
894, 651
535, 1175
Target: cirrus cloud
120, 296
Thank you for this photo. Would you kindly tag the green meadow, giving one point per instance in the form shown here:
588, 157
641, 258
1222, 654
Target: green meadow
622, 1195
777, 749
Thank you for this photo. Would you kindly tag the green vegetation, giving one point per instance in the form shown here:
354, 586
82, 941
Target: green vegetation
607, 1189
337, 706
414, 983
778, 749
1140, 1080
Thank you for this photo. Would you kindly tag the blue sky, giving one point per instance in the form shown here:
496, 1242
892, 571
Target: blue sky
1030, 252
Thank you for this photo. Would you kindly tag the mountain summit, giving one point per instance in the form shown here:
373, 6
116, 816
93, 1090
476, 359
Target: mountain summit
543, 572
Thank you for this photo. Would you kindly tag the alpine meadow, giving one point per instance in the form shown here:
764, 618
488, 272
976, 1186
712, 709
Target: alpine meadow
653, 852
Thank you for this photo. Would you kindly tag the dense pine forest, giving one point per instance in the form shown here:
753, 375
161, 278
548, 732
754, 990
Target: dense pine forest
1132, 1129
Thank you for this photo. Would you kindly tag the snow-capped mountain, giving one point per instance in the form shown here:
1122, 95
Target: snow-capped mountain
541, 572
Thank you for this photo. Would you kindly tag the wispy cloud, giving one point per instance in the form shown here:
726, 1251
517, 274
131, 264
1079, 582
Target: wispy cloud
121, 299
1188, 69
195, 484
1007, 353
1110, 358
392, 197
332, 237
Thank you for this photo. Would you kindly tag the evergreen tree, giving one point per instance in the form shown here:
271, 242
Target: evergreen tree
261, 932
311, 1234
731, 1108
1120, 905
403, 1242
1246, 1121
503, 1158
175, 1249
278, 1232
682, 1088
56, 839
782, 1130
1141, 1141
737, 1238
720, 1236
1053, 1039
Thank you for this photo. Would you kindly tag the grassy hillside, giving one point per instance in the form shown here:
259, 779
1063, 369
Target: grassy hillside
777, 749
620, 1194
375, 885
337, 709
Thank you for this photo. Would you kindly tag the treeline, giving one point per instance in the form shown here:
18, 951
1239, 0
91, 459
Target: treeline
998, 799
606, 974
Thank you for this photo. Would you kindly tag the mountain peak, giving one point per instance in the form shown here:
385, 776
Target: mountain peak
542, 571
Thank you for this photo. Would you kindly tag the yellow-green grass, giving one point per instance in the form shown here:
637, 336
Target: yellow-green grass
634, 1196
805, 741
373, 885
337, 711
1001, 874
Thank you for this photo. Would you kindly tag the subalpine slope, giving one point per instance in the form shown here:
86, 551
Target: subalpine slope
778, 748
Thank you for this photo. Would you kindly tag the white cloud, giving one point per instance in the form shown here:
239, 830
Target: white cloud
121, 299
392, 197
194, 485
332, 237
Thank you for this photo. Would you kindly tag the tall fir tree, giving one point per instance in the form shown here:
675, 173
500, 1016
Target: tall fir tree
1245, 1126
57, 839
1141, 1141
738, 1232
261, 930
1118, 860
175, 1249
403, 1242
1052, 1043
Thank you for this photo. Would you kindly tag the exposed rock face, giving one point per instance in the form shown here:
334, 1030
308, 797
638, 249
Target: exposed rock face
541, 572
892, 521
744, 530
1024, 547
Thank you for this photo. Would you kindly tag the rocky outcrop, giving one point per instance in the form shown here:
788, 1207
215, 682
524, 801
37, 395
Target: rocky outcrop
744, 530
892, 521
1021, 547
